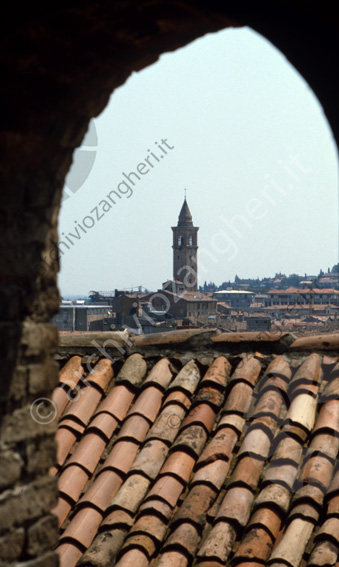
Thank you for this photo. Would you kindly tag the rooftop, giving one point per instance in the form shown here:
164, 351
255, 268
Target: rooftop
198, 445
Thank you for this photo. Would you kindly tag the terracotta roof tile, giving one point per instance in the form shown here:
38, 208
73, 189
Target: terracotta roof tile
236, 465
101, 374
134, 557
71, 482
184, 538
167, 489
87, 453
71, 372
213, 473
116, 403
101, 492
68, 554
218, 545
323, 554
82, 409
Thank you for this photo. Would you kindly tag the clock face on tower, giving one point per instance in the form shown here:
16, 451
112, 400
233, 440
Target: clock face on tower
185, 248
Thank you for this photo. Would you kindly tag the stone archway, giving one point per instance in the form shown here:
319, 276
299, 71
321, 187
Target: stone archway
61, 65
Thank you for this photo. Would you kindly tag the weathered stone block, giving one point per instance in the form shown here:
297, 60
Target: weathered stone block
12, 544
42, 536
41, 455
27, 502
42, 377
22, 424
39, 338
50, 559
18, 386
10, 469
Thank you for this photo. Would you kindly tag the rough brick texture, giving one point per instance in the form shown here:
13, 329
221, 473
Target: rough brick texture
59, 65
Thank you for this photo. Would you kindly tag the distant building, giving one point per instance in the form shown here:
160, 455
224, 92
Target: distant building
185, 249
183, 304
236, 299
295, 296
83, 318
258, 322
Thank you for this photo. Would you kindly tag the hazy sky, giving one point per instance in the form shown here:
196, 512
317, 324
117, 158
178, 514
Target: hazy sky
243, 132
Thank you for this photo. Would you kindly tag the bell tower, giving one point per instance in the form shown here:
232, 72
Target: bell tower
185, 249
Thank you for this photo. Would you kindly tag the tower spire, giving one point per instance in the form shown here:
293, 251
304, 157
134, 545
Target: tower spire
185, 247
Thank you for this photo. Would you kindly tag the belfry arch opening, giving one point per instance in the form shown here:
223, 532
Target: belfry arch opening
60, 66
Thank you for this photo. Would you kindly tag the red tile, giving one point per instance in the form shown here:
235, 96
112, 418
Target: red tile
117, 518
239, 399
159, 507
61, 399
101, 492
185, 537
176, 396
83, 527
168, 423
71, 373
195, 506
104, 423
201, 414
256, 546
101, 374
247, 471
167, 488
192, 440
179, 464
151, 525
257, 443
117, 402
308, 372
84, 406
131, 494
141, 541
68, 554
160, 374
72, 481
218, 544
221, 446
328, 418
333, 505
247, 370
317, 470
278, 472
133, 557
236, 505
121, 456
61, 510
147, 404
210, 395
218, 373
88, 452
213, 473
150, 459
65, 440
134, 427
267, 518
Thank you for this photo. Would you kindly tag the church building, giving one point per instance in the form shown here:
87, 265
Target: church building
185, 248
